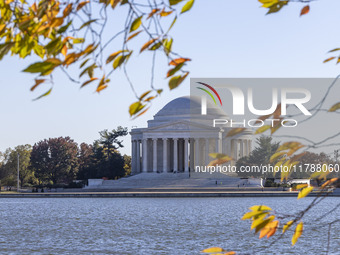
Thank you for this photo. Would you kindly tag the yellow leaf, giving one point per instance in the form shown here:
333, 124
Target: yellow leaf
297, 233
235, 131
252, 214
260, 208
287, 226
288, 145
220, 161
334, 107
301, 186
56, 22
213, 249
328, 59
304, 192
187, 6
136, 24
135, 108
277, 155
262, 129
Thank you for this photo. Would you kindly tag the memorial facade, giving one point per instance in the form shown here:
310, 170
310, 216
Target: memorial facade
180, 138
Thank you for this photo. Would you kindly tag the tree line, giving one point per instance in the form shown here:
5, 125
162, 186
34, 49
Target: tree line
60, 161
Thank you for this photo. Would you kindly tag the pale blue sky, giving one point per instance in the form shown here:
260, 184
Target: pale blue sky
223, 38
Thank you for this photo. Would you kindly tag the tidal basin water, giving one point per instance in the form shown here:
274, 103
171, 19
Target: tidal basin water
153, 226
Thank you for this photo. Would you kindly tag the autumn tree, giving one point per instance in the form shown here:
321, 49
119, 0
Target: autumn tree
68, 35
55, 160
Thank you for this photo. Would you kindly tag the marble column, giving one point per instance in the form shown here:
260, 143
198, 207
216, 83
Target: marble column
197, 151
241, 148
145, 155
235, 149
228, 141
206, 151
154, 155
249, 146
216, 144
165, 155
175, 155
186, 156
138, 156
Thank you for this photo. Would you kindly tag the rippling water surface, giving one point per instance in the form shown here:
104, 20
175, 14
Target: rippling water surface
152, 226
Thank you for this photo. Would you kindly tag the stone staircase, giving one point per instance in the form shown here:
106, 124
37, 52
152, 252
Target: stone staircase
170, 181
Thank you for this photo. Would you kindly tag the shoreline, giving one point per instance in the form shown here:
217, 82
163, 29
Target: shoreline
158, 194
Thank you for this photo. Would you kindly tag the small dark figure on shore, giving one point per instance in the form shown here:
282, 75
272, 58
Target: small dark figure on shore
216, 182
36, 189
42, 190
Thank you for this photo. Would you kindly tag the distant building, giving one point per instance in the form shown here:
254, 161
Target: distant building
180, 137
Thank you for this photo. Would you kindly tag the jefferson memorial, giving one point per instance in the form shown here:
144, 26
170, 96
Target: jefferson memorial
179, 138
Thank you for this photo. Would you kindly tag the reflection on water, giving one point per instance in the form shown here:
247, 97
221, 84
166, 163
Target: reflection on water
150, 226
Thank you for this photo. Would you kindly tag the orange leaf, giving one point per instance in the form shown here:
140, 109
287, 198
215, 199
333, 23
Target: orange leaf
328, 59
304, 10
64, 50
37, 83
178, 61
82, 4
147, 44
89, 81
101, 87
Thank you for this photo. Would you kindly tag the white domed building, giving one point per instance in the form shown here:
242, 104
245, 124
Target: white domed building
180, 138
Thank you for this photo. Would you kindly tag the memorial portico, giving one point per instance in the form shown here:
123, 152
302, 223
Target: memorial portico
180, 138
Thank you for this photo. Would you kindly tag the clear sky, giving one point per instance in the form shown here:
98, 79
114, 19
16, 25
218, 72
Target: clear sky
223, 39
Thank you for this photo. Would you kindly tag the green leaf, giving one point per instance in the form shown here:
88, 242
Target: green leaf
87, 23
172, 24
174, 2
136, 24
156, 46
39, 67
64, 28
43, 95
167, 44
176, 81
78, 40
187, 6
172, 71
